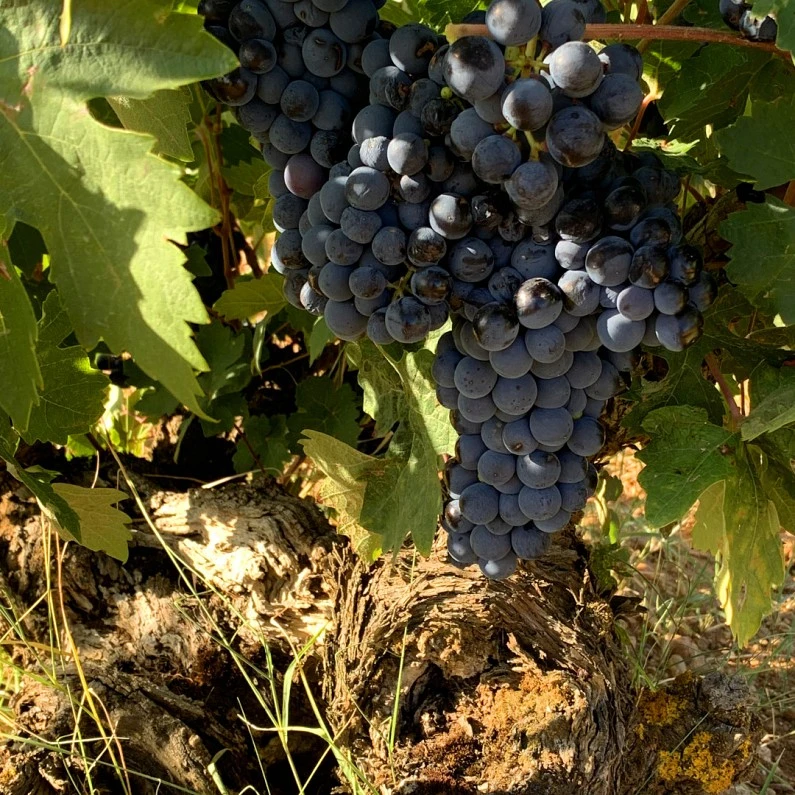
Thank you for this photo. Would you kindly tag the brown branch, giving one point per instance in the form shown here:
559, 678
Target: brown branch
725, 390
635, 32
789, 195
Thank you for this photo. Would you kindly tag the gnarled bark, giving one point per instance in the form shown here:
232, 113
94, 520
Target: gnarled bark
518, 687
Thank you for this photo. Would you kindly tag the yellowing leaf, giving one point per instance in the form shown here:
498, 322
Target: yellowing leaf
103, 528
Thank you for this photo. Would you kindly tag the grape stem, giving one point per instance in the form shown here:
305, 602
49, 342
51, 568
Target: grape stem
734, 409
636, 32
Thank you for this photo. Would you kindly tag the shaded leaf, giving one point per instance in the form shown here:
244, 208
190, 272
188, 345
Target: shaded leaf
771, 158
73, 396
323, 406
266, 438
763, 256
20, 375
320, 336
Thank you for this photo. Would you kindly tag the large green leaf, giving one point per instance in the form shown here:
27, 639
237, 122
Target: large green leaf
74, 392
165, 115
763, 256
775, 411
104, 205
711, 88
326, 407
761, 143
686, 454
19, 370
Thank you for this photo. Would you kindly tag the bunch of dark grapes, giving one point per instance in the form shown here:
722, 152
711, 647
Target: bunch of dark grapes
739, 15
480, 183
299, 83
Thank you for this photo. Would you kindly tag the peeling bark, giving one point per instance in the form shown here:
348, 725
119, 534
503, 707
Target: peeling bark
518, 687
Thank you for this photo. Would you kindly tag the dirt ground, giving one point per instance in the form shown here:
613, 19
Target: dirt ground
682, 628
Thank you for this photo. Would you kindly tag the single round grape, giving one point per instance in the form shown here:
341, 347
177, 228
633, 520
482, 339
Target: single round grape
527, 104
236, 88
580, 293
498, 569
575, 136
452, 519
366, 282
389, 245
504, 283
545, 344
355, 21
636, 303
490, 109
408, 320
425, 247
495, 158
534, 260
459, 550
474, 378
287, 210
303, 176
618, 333
575, 69
373, 121
495, 326
670, 298
539, 503
551, 427
528, 543
517, 438
468, 343
496, 468
469, 449
609, 384
474, 67
680, 331
758, 28
553, 393
577, 404
258, 56
443, 368
561, 21
538, 470
323, 53
608, 261
366, 188
407, 154
623, 206
514, 396
587, 438
573, 496
649, 266
450, 215
509, 509
513, 361
570, 255
250, 19
617, 100
333, 112
431, 285
566, 322
685, 264
411, 47
658, 226
512, 22
447, 396
623, 59
581, 337
491, 434
313, 301
533, 184
344, 320
476, 409
471, 260
480, 504
289, 136
538, 303
553, 524
585, 370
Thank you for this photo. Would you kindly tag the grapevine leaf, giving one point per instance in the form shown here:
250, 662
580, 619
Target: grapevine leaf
388, 496
763, 256
19, 370
196, 262
223, 350
739, 524
784, 12
112, 207
55, 506
774, 412
267, 440
771, 160
324, 406
686, 454
26, 248
103, 527
252, 297
74, 392
165, 115
320, 337
711, 88
403, 390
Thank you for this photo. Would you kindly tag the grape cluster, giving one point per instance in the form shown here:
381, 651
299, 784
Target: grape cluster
299, 83
481, 183
739, 15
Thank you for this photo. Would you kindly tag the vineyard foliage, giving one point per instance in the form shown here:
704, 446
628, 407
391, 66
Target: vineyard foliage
129, 200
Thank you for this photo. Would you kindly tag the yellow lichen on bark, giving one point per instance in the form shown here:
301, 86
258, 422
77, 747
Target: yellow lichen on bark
696, 762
